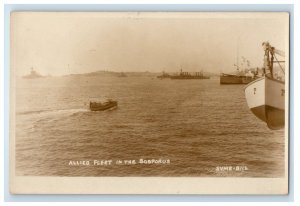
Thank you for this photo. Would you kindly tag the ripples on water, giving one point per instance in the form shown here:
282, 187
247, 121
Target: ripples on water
197, 124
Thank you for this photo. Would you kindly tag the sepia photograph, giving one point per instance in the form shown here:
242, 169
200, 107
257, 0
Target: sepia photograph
176, 102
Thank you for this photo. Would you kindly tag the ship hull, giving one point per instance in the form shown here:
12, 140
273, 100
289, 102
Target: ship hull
189, 77
232, 79
163, 77
266, 99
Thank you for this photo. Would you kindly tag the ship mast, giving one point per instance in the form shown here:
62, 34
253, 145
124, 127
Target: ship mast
269, 58
268, 62
237, 55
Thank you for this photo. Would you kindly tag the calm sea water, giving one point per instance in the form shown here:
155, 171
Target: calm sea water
201, 127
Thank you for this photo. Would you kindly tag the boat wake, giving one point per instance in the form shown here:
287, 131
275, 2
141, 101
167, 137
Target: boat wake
113, 108
53, 112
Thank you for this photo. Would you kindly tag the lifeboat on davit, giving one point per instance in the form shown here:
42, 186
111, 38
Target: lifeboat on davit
266, 99
265, 96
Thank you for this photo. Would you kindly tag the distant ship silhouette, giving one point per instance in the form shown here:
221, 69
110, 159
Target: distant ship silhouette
33, 74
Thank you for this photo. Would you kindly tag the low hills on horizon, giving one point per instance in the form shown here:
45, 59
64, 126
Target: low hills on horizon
107, 73
103, 73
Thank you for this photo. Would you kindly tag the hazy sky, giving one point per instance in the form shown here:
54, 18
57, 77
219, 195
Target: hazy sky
63, 43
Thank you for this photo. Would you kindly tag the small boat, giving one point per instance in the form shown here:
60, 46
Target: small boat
265, 96
101, 106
